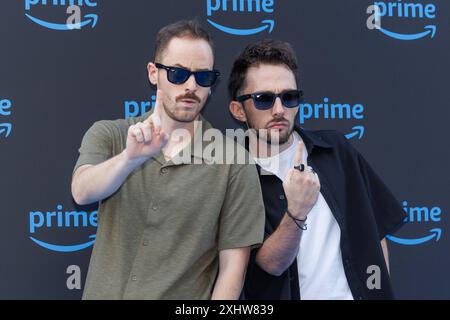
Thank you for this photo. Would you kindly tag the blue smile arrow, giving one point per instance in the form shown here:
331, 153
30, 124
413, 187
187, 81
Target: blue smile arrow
5, 127
267, 24
431, 30
436, 233
60, 248
66, 26
358, 131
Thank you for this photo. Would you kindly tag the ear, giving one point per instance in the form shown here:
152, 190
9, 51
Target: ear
237, 110
152, 73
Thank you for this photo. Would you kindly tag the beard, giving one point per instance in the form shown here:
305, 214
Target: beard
181, 115
272, 136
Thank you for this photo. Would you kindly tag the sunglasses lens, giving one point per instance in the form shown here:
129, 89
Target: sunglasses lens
291, 99
263, 101
205, 78
177, 75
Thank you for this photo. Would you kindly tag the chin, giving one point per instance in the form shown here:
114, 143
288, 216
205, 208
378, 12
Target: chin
185, 116
283, 140
283, 137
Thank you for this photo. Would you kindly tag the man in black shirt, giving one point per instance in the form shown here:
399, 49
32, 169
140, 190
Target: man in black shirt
327, 211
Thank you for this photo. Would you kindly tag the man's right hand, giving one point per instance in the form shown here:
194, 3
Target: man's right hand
146, 139
301, 188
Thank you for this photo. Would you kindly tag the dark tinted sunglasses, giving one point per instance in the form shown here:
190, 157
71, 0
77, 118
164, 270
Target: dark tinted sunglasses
266, 100
177, 75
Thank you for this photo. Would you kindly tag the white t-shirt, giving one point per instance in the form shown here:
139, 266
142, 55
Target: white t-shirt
319, 261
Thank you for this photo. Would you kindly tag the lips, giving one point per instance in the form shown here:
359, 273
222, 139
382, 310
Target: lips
188, 103
278, 125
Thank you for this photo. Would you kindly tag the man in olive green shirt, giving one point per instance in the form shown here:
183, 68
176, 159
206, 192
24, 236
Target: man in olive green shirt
170, 226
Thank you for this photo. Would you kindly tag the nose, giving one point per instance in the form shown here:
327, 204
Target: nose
191, 84
278, 108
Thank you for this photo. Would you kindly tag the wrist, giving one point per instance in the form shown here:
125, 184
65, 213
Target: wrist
301, 223
297, 214
127, 163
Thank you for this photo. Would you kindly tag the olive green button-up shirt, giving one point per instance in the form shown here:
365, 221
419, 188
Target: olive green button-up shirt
159, 235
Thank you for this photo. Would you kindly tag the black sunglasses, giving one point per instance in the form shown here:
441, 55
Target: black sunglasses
266, 100
178, 75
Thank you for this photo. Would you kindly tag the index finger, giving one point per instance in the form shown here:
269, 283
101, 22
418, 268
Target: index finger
156, 115
299, 153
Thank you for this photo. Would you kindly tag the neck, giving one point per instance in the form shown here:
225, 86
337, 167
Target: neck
170, 125
259, 148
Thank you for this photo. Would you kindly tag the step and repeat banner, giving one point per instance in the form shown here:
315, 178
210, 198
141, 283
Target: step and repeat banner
378, 71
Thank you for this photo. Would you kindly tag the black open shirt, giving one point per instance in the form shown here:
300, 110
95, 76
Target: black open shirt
362, 205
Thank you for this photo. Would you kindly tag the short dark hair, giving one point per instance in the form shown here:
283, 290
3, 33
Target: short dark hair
181, 29
267, 51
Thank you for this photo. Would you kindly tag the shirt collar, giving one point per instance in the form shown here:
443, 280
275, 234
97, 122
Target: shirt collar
197, 148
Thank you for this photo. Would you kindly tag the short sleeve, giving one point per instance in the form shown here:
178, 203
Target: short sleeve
96, 146
387, 210
242, 216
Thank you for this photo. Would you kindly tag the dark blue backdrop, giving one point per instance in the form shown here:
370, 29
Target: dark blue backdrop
54, 83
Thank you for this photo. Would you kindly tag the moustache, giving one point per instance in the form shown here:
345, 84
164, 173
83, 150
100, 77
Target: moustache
190, 96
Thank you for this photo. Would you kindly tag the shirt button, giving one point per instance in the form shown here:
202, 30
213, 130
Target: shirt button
164, 170
134, 278
282, 197
145, 242
155, 207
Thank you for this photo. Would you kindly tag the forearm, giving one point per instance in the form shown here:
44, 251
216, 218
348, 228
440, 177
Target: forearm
100, 181
232, 269
228, 285
279, 251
